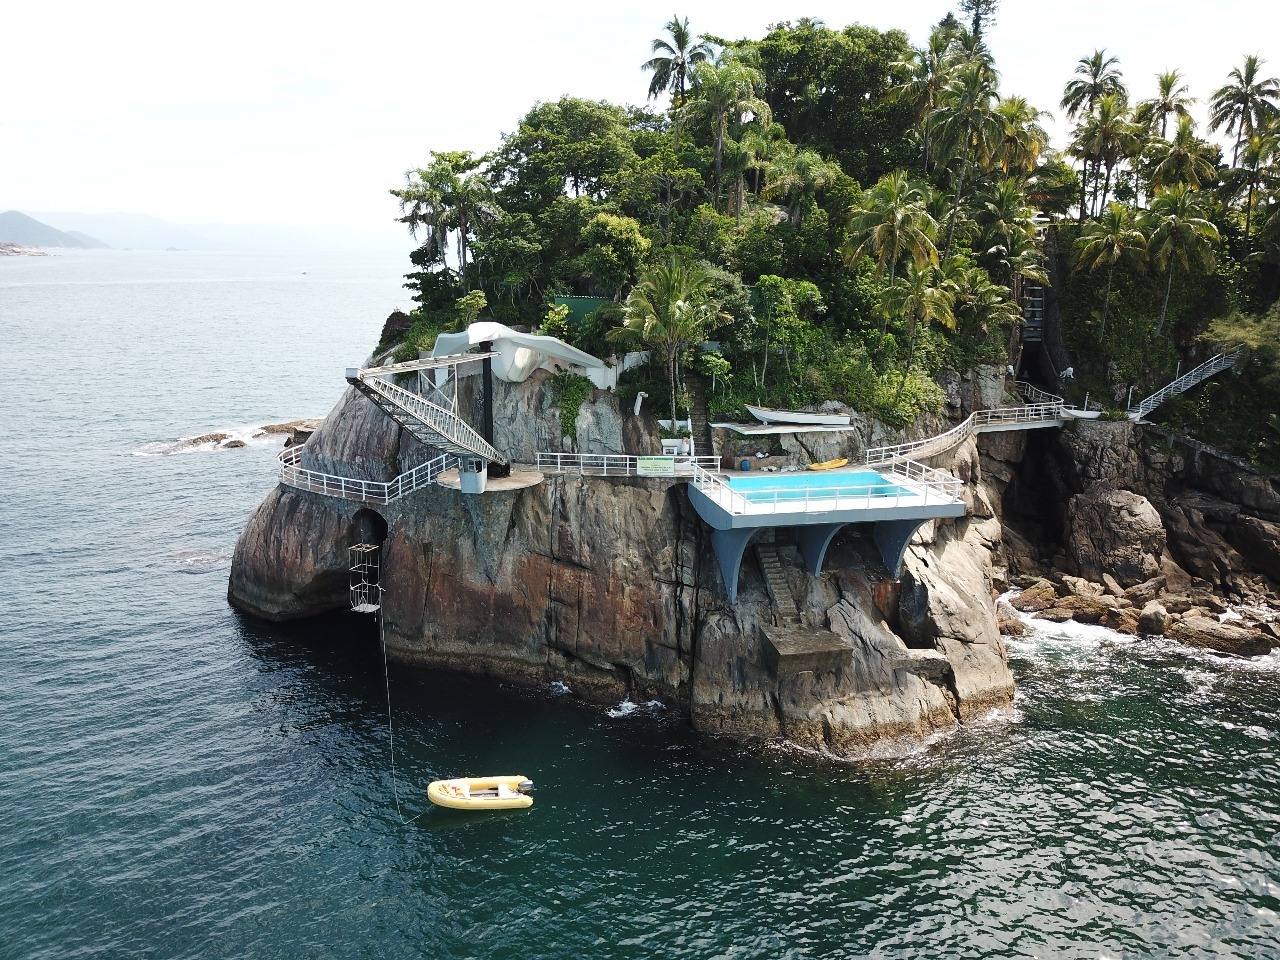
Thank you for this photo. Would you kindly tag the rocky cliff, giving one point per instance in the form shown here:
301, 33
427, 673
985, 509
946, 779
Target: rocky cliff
610, 584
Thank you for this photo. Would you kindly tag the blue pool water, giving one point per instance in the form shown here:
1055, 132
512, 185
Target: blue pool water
798, 486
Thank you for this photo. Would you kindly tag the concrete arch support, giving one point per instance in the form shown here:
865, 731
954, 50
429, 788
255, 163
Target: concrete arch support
813, 541
892, 537
730, 546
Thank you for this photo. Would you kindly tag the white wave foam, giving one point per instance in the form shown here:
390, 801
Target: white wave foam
628, 707
224, 438
559, 688
201, 561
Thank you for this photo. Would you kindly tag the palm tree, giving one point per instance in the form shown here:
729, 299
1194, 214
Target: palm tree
673, 66
726, 93
1172, 98
1113, 238
1008, 228
967, 128
1022, 139
929, 69
669, 308
1179, 233
1096, 76
1108, 137
918, 298
446, 196
800, 175
1258, 175
1183, 160
891, 223
1244, 103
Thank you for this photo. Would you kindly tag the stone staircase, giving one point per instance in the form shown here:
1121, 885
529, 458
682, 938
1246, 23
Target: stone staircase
784, 604
791, 647
699, 418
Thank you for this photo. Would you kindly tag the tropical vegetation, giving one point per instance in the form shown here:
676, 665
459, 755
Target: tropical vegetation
833, 214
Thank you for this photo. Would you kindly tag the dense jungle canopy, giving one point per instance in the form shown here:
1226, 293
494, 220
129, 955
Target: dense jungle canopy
842, 215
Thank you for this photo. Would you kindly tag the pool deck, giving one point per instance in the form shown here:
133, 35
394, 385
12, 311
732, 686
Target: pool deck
818, 515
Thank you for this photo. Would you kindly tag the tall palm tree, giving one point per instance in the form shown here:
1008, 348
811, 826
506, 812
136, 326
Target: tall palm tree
726, 94
1022, 138
673, 66
1185, 159
1113, 238
918, 298
669, 308
447, 196
892, 223
1096, 76
1172, 98
929, 68
1258, 174
967, 128
1109, 137
1244, 103
1179, 233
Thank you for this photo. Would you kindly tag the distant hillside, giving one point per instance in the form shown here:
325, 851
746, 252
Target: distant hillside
134, 231
18, 228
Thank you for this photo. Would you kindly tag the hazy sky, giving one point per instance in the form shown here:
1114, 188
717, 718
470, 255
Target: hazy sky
291, 113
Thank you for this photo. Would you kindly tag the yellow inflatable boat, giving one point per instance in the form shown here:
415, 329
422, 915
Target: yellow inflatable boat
830, 464
482, 793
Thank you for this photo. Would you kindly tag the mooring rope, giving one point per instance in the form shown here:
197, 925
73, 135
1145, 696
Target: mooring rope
391, 733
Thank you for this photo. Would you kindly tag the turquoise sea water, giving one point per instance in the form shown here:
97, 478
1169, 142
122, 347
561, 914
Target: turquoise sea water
177, 780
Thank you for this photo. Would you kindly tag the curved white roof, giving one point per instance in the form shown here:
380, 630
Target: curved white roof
519, 354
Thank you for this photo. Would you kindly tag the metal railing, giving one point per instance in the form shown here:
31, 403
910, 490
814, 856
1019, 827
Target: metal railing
443, 428
1035, 394
976, 422
349, 488
619, 465
1185, 382
907, 484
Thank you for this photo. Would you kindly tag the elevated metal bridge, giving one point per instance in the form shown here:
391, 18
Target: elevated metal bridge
433, 421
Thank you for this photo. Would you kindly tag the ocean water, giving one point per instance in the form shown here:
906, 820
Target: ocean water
177, 780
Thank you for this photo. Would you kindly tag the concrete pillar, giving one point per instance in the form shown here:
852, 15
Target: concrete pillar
813, 540
892, 537
729, 546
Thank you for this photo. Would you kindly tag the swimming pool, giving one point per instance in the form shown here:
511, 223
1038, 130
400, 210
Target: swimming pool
808, 485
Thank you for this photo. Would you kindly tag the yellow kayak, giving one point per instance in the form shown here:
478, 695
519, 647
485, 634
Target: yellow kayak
481, 793
829, 465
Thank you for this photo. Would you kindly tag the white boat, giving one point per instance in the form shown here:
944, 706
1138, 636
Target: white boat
766, 415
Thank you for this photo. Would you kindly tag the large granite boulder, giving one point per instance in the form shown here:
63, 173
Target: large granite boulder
1116, 532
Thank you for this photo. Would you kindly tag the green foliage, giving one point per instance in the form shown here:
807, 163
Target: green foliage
556, 321
569, 392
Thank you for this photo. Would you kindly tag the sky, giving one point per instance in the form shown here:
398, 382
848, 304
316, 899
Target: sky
274, 112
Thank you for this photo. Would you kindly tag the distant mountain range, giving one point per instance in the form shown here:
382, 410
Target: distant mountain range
26, 231
133, 231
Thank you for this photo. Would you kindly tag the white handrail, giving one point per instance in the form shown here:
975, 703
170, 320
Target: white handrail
456, 434
1185, 382
918, 483
350, 488
616, 464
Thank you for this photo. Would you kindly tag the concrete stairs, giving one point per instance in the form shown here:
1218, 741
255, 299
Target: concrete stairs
699, 418
775, 581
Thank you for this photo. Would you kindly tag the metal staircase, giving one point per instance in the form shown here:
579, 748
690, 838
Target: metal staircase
430, 422
1185, 382
1032, 313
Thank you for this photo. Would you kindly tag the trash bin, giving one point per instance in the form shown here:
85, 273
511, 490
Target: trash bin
746, 464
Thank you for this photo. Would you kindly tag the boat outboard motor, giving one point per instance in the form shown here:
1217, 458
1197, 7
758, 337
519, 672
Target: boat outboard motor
525, 786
